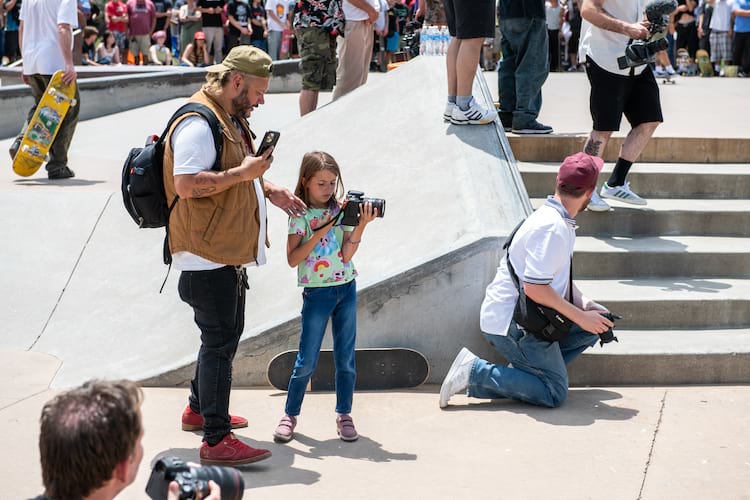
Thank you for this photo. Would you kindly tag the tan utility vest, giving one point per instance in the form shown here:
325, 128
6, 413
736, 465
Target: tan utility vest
222, 228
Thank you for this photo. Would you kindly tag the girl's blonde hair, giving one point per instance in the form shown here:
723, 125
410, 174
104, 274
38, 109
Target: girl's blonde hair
312, 163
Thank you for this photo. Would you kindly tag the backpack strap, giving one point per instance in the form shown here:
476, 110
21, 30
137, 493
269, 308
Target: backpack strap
217, 129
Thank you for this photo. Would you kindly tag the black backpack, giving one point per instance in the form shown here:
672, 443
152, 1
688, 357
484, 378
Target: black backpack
142, 183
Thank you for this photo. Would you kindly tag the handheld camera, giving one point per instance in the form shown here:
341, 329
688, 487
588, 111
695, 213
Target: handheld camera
193, 480
354, 202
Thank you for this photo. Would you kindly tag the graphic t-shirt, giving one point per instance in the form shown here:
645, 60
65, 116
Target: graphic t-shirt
211, 20
240, 11
140, 17
257, 13
324, 266
161, 7
280, 8
116, 9
326, 14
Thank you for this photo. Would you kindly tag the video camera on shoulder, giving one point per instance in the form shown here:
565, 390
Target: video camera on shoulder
352, 210
193, 480
640, 52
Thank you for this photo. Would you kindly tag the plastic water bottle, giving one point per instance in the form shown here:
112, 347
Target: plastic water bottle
445, 40
434, 41
423, 41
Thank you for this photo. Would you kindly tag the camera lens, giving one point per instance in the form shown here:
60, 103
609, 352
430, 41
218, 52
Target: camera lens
229, 480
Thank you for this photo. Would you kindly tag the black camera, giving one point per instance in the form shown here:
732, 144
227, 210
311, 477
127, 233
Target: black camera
193, 480
639, 52
608, 336
354, 200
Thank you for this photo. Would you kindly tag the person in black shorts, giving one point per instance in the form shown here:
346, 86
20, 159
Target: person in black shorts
469, 23
615, 92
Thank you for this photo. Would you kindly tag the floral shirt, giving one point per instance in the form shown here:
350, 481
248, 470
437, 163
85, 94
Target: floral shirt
324, 266
327, 14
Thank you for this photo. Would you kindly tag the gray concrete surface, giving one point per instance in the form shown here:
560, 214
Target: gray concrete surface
112, 89
104, 294
645, 443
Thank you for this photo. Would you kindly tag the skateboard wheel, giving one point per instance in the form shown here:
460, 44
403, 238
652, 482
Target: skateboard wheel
73, 102
25, 148
52, 91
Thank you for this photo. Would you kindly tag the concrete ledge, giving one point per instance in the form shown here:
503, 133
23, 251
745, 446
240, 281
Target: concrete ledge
554, 147
115, 92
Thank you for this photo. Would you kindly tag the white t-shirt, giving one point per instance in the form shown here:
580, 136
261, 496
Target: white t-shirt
553, 16
540, 254
281, 9
604, 46
195, 152
41, 47
352, 13
721, 17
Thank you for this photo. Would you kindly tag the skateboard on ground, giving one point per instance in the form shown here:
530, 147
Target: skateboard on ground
668, 79
43, 127
377, 369
704, 63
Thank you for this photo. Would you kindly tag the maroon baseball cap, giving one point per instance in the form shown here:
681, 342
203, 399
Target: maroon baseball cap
579, 171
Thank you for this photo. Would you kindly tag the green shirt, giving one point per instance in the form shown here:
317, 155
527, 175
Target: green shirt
324, 266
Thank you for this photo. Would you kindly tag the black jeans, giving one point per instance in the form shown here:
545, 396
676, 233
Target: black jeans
218, 301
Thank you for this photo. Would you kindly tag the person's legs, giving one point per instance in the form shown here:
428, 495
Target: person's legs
317, 51
554, 49
58, 154
218, 301
274, 43
344, 329
506, 75
538, 375
531, 72
308, 101
354, 56
214, 41
467, 61
450, 62
317, 307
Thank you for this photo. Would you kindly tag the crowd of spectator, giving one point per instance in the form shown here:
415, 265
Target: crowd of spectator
125, 31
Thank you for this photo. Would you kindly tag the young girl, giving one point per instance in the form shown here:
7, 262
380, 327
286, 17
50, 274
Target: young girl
107, 51
159, 54
322, 250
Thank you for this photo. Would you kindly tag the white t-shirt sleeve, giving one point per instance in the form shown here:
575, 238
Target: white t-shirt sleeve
193, 146
67, 13
542, 261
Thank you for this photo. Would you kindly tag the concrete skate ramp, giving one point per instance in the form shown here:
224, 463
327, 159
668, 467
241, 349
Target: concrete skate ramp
84, 287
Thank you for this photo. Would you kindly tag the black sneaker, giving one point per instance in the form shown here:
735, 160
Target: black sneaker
61, 173
14, 148
533, 128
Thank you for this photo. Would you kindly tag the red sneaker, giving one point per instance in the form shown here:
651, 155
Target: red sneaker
231, 451
192, 421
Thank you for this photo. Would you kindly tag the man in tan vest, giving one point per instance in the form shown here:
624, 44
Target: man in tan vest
216, 229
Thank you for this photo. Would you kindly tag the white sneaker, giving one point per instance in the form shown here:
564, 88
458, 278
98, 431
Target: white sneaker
475, 115
457, 379
596, 204
660, 72
448, 111
622, 193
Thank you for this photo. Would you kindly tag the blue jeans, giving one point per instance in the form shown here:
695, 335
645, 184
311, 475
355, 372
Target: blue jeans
539, 375
218, 301
340, 304
522, 70
261, 44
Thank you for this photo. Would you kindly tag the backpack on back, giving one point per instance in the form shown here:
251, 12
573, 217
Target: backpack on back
142, 185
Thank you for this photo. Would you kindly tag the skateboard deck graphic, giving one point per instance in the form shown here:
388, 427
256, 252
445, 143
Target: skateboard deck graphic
43, 127
377, 369
704, 63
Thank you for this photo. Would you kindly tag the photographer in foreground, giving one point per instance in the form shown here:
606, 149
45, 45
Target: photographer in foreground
90, 442
609, 28
536, 271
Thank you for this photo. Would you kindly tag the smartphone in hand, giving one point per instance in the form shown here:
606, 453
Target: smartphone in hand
269, 139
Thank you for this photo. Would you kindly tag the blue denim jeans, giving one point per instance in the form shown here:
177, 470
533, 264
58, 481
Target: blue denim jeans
340, 304
218, 301
539, 375
522, 70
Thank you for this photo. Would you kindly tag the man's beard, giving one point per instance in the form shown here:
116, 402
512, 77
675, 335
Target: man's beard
241, 106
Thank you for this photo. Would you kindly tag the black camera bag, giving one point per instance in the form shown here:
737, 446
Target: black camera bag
541, 321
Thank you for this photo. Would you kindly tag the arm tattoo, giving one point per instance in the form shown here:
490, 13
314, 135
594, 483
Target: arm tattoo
592, 147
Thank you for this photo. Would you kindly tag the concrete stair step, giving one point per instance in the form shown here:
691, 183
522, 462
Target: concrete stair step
667, 217
674, 303
656, 180
553, 147
667, 356
665, 256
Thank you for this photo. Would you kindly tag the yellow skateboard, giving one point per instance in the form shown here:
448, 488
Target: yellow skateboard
43, 127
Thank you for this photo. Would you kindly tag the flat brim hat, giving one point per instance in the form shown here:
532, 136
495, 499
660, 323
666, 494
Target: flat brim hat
245, 59
579, 171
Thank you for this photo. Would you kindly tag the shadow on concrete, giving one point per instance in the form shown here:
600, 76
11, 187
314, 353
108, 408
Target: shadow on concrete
633, 243
583, 407
364, 449
692, 285
469, 136
275, 471
41, 181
